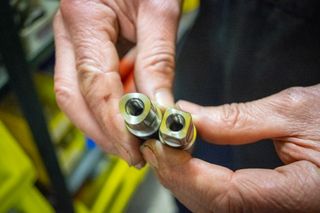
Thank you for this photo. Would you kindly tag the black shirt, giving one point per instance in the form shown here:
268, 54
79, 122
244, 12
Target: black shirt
242, 50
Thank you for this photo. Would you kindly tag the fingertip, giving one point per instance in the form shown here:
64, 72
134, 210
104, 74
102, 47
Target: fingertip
152, 144
188, 106
193, 109
140, 165
137, 160
164, 98
148, 150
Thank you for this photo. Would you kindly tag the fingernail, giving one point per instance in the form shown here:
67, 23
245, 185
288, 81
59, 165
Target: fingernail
186, 105
192, 108
164, 98
149, 156
140, 165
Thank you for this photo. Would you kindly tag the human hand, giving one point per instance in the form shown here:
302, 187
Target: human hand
291, 118
87, 83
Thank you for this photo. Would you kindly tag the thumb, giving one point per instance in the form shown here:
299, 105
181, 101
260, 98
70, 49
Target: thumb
205, 187
241, 123
156, 36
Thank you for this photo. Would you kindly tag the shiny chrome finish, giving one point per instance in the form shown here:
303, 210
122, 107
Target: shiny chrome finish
177, 129
142, 117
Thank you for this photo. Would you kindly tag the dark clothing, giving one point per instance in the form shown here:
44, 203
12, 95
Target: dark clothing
245, 50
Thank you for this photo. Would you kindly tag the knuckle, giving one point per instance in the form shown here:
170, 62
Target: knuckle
295, 96
93, 85
111, 14
169, 8
89, 56
86, 55
161, 60
87, 73
231, 115
88, 80
106, 21
294, 104
86, 66
93, 16
64, 95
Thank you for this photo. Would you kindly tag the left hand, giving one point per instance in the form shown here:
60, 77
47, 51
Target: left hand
291, 118
87, 81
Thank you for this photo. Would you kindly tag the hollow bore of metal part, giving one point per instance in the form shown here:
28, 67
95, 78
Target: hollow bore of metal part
134, 107
175, 122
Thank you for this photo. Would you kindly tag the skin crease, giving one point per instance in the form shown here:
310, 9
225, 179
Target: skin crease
87, 83
88, 89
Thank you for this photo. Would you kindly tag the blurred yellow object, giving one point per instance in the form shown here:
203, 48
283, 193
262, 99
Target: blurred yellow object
113, 188
70, 150
44, 85
128, 186
58, 124
16, 124
118, 188
190, 5
80, 207
109, 188
17, 176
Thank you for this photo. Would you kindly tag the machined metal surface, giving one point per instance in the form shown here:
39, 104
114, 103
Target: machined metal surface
177, 129
142, 117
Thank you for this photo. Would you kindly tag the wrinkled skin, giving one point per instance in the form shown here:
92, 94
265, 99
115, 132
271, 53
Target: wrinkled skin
88, 89
291, 118
87, 82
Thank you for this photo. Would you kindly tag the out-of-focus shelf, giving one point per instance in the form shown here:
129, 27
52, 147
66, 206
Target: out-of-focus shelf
44, 54
37, 38
89, 160
4, 78
22, 51
37, 41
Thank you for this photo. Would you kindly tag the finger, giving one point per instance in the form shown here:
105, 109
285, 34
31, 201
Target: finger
67, 88
93, 30
291, 188
240, 123
157, 23
294, 149
182, 174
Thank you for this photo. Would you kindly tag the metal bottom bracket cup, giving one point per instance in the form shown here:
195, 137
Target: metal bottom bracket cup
177, 129
142, 117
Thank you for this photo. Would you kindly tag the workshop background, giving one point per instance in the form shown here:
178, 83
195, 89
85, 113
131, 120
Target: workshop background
46, 164
239, 50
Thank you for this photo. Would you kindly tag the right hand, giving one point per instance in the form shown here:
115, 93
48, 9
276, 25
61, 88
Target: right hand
291, 118
87, 83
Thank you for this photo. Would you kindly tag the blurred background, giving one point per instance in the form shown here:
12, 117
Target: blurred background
46, 164
227, 51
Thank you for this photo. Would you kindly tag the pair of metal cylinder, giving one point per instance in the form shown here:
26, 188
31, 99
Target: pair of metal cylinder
145, 120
